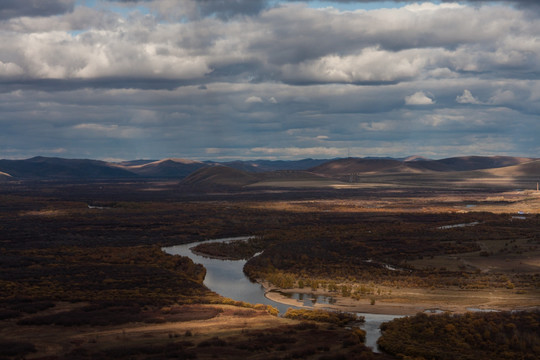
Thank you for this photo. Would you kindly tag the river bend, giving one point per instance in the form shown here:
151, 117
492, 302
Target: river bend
227, 278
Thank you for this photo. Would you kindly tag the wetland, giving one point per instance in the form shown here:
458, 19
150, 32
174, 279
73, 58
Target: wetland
83, 281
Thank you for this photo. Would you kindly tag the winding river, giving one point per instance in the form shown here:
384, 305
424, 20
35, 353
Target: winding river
227, 278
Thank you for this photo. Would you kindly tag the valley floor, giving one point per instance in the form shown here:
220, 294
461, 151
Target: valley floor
414, 300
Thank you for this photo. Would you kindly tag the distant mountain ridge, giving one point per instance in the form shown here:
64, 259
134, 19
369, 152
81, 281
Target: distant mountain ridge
252, 171
413, 165
40, 167
166, 168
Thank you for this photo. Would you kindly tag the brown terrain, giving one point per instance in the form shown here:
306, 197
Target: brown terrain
83, 277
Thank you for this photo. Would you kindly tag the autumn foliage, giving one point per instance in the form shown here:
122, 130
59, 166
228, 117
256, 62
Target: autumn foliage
470, 336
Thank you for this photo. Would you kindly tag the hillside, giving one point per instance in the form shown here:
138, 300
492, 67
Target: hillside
166, 168
294, 179
468, 163
4, 176
414, 165
219, 176
530, 169
341, 167
58, 168
135, 162
274, 165
295, 173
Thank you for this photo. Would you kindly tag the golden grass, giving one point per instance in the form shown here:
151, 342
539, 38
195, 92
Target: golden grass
55, 340
504, 202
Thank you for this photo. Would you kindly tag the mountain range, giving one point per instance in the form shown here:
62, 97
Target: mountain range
194, 173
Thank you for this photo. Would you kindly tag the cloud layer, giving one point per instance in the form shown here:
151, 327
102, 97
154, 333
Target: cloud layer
245, 79
33, 8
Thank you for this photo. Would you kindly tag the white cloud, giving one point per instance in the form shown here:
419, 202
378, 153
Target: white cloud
371, 65
502, 97
96, 127
444, 118
101, 53
467, 98
10, 69
297, 151
418, 98
253, 100
385, 45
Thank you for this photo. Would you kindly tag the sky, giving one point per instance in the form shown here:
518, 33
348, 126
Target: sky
268, 79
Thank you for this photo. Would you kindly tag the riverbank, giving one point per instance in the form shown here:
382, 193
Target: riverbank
214, 257
412, 300
346, 305
399, 301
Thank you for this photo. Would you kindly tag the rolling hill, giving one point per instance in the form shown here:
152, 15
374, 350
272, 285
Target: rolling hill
210, 174
469, 163
274, 165
219, 176
57, 168
166, 168
530, 169
415, 165
4, 176
343, 167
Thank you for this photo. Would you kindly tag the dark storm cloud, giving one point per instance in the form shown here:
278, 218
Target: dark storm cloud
229, 8
16, 8
52, 85
226, 9
223, 9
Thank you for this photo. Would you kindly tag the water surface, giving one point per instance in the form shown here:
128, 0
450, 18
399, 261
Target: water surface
371, 326
227, 278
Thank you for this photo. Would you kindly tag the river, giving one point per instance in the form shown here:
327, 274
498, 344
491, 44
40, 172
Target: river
227, 278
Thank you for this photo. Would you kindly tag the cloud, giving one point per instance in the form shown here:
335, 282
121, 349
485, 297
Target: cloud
109, 131
10, 70
285, 44
253, 99
503, 97
199, 9
100, 54
370, 66
17, 8
376, 126
517, 2
293, 152
467, 98
163, 78
229, 8
418, 98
